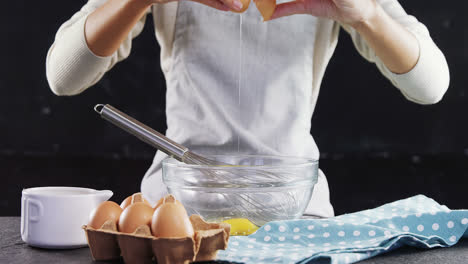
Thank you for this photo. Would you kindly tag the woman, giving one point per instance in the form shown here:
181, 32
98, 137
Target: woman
253, 92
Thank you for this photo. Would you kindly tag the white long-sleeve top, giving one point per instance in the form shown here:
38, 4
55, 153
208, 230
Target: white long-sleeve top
206, 107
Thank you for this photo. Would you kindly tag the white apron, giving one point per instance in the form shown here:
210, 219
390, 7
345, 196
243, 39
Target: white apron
271, 112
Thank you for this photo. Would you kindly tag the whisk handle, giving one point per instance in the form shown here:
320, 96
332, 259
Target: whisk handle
141, 131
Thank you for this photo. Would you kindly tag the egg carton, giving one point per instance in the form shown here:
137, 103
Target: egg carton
107, 243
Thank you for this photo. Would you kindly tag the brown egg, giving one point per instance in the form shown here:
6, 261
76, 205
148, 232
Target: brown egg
105, 211
170, 220
134, 216
266, 8
135, 198
245, 5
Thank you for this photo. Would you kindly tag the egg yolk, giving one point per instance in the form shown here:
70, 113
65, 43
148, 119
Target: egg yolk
241, 227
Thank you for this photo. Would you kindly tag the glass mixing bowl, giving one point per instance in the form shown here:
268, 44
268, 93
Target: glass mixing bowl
258, 188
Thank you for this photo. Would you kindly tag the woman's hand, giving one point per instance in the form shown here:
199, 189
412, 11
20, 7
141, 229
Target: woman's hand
391, 42
109, 25
344, 11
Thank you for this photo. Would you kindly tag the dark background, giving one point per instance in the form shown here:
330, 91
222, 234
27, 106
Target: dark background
376, 146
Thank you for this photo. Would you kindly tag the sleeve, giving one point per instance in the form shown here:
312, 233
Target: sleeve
428, 81
71, 67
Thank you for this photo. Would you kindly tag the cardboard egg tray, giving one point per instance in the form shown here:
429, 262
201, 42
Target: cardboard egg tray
107, 243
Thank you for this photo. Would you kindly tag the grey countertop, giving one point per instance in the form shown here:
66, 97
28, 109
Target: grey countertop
13, 250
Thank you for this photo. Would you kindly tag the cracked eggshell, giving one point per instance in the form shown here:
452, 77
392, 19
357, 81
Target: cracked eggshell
266, 8
245, 6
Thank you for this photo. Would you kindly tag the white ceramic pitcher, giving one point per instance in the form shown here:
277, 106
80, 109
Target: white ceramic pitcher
52, 217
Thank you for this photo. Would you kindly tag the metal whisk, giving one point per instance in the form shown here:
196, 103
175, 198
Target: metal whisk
164, 144
183, 154
150, 136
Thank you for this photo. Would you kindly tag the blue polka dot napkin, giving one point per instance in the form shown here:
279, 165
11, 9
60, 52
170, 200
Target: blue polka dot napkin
417, 221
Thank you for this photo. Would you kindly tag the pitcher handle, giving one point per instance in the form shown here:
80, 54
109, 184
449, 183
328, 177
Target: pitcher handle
27, 216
